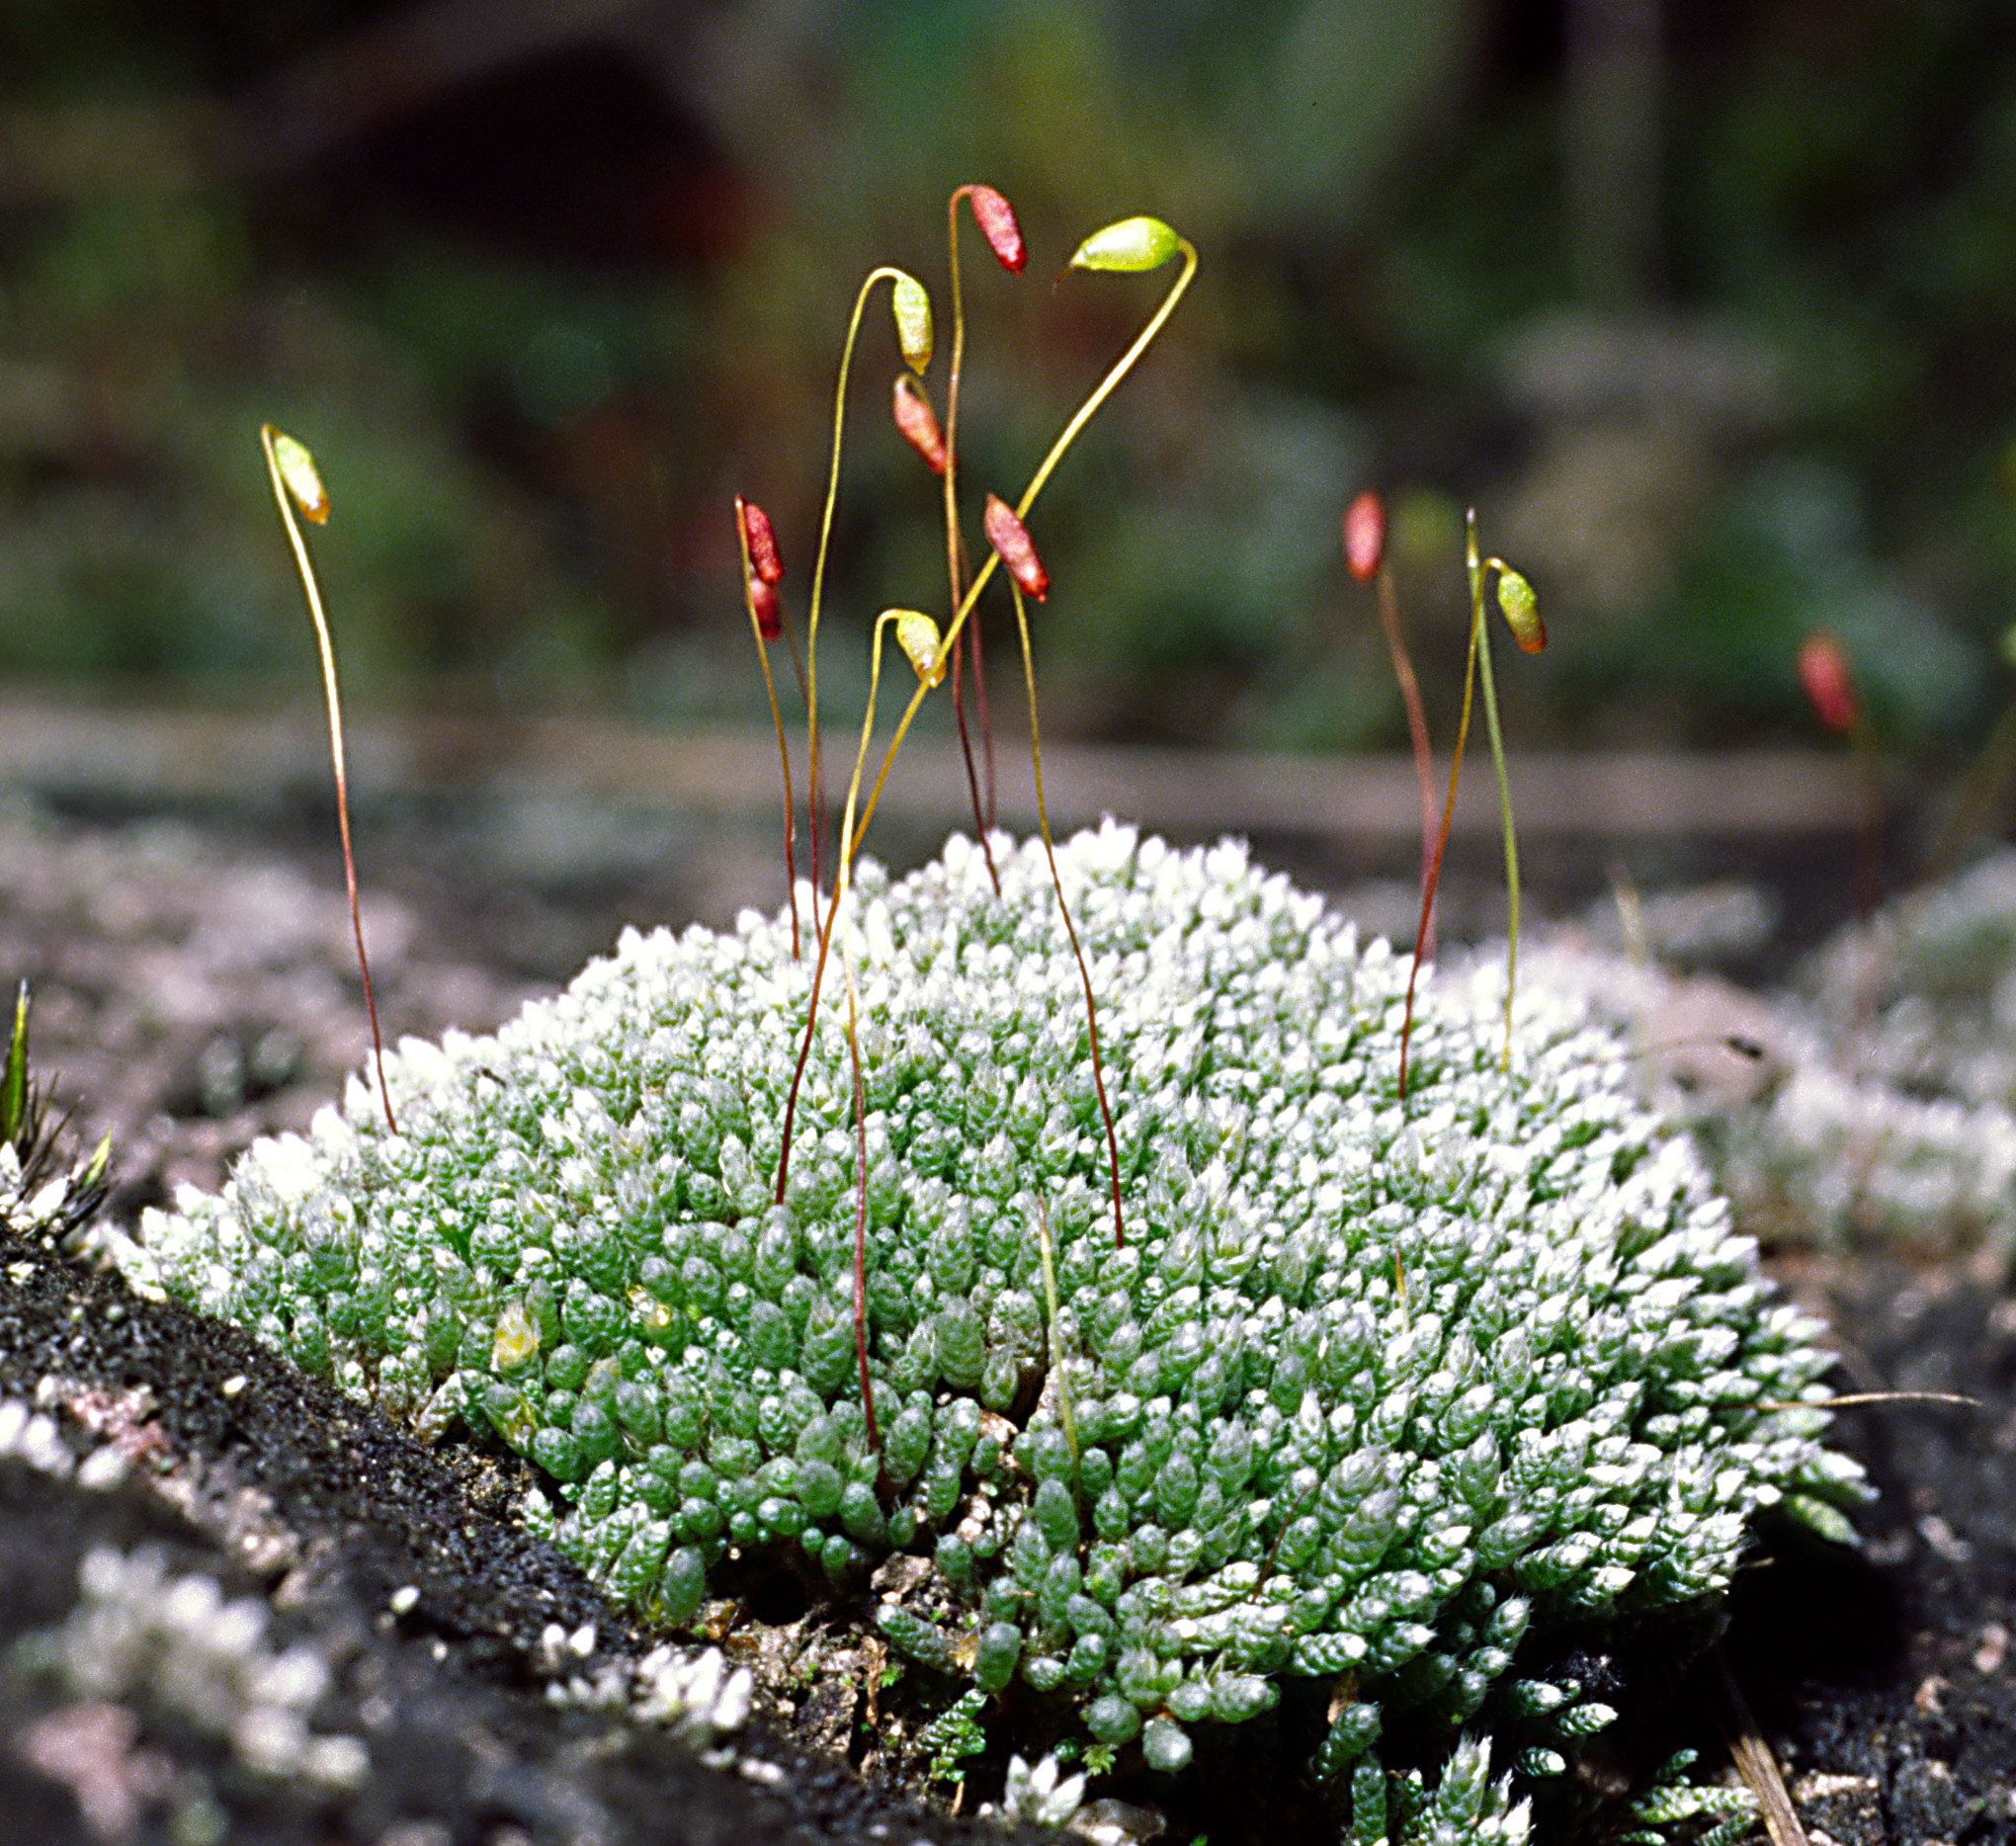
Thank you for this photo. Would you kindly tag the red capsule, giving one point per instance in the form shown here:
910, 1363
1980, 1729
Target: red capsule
761, 538
1365, 536
765, 607
1010, 539
998, 226
1828, 684
917, 421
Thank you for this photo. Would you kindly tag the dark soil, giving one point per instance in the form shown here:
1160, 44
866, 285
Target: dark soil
192, 987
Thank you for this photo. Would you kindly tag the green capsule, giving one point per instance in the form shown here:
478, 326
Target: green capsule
1130, 246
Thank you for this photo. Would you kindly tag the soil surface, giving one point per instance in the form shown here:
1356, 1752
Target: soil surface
194, 986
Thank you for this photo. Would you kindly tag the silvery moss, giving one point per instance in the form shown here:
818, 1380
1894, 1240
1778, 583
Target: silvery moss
1897, 1118
1881, 1105
1373, 1390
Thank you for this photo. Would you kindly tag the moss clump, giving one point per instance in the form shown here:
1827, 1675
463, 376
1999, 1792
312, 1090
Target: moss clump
1374, 1388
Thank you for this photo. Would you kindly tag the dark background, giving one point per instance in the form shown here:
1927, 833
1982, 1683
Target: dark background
1707, 307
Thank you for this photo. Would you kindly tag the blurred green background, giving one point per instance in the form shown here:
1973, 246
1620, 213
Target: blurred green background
1710, 309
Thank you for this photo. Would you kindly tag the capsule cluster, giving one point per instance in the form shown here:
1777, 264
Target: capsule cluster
1361, 1387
